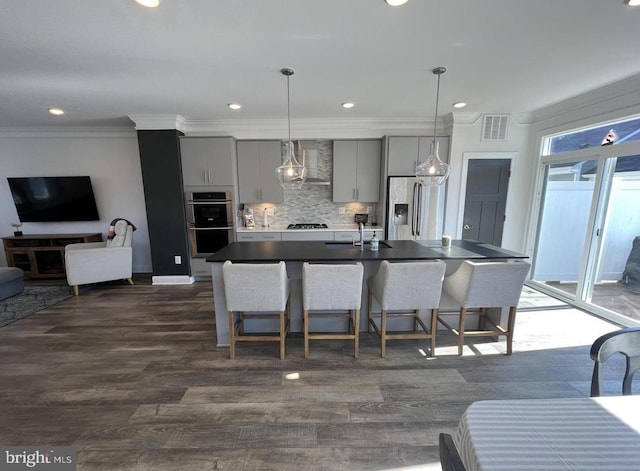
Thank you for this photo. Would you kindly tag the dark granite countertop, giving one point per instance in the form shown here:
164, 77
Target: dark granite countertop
316, 251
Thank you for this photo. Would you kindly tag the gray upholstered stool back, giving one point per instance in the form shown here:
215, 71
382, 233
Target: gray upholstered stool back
255, 286
487, 284
408, 285
332, 287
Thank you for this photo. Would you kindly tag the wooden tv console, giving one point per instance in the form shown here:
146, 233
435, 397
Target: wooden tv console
42, 255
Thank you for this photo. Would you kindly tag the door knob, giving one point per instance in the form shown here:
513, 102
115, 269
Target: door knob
466, 227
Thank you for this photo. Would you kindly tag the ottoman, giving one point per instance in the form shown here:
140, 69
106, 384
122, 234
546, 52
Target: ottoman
11, 281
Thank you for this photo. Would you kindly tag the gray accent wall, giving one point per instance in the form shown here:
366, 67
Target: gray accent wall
164, 198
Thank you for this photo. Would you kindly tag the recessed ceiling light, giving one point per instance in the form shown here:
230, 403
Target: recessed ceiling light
459, 104
149, 3
56, 111
347, 104
632, 3
234, 106
395, 3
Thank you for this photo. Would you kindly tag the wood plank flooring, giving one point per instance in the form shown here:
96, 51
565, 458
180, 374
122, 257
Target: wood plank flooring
131, 376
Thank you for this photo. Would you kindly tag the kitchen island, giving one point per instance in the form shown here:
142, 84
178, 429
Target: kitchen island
294, 253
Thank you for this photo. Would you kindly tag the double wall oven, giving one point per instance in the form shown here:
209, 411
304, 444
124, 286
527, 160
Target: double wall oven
210, 221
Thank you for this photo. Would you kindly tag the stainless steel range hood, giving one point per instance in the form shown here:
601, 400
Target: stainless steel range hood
308, 154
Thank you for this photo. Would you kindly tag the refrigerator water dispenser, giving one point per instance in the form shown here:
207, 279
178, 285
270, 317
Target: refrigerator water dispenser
401, 210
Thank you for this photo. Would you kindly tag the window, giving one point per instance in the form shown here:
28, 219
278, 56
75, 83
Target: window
628, 130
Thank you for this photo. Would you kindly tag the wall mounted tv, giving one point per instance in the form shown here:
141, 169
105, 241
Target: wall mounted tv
53, 199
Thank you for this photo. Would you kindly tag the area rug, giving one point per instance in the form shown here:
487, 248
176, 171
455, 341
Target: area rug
33, 299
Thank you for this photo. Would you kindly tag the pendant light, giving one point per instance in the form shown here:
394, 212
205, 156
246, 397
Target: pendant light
291, 173
434, 171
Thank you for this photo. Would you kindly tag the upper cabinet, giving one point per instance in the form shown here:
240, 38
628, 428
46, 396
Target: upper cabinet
356, 171
207, 160
406, 152
257, 163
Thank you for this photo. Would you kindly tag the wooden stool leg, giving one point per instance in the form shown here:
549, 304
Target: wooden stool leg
463, 315
511, 323
383, 333
356, 333
481, 318
369, 312
288, 315
232, 338
241, 323
434, 328
305, 322
283, 333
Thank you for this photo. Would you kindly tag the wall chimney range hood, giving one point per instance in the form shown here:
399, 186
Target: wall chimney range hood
308, 155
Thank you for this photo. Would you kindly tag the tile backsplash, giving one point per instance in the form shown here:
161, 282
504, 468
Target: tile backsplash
313, 203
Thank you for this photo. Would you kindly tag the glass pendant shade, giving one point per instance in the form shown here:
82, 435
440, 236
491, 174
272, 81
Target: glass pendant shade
291, 174
434, 171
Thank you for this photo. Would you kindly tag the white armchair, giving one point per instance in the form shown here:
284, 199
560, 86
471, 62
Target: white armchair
94, 262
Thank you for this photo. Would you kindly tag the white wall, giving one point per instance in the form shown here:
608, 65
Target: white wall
466, 138
110, 158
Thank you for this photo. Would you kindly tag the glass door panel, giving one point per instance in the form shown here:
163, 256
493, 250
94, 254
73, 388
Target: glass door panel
615, 283
564, 225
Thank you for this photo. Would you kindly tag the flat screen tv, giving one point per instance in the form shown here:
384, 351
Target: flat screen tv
53, 199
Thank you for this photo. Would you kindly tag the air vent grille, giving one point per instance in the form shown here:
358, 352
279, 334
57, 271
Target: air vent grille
495, 127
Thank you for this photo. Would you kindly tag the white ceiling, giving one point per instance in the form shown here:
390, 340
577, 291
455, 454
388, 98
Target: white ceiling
102, 61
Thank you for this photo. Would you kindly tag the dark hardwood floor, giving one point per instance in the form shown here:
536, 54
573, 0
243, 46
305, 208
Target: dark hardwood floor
131, 376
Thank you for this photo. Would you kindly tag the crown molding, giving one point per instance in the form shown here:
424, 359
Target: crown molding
308, 128
465, 117
56, 132
329, 128
618, 95
149, 122
527, 117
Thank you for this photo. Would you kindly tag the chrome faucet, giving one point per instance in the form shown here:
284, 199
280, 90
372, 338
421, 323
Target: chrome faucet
361, 229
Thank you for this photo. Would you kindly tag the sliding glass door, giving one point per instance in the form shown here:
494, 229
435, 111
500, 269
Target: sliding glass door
588, 235
613, 275
564, 226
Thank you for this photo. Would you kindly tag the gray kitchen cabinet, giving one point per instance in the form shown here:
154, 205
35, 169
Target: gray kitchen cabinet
200, 268
356, 171
207, 160
354, 236
257, 163
308, 235
257, 236
404, 153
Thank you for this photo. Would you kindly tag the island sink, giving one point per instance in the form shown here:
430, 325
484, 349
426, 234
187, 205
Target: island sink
349, 245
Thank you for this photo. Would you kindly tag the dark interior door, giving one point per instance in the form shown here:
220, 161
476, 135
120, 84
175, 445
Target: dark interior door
486, 200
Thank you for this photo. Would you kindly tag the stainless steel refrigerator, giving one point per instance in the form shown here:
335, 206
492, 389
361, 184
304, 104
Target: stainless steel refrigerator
415, 210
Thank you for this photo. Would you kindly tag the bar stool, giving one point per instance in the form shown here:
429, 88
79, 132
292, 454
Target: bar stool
406, 287
483, 285
256, 289
332, 288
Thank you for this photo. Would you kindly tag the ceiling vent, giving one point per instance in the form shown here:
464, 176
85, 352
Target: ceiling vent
494, 127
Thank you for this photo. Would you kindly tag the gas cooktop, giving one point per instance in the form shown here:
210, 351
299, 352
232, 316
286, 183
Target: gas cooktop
307, 226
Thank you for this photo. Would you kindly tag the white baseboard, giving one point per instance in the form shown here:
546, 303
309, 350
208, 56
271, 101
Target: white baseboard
172, 280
